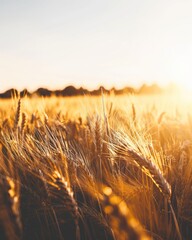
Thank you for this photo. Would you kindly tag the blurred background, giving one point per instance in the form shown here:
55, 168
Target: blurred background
58, 43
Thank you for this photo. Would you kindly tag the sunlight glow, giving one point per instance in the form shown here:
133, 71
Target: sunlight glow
184, 85
93, 43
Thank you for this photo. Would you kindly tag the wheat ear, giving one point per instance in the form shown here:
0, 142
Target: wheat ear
24, 122
151, 169
18, 114
123, 224
62, 194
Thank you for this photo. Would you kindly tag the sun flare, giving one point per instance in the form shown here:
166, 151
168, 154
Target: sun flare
182, 86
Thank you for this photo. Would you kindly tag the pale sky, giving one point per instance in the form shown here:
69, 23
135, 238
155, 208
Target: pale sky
54, 43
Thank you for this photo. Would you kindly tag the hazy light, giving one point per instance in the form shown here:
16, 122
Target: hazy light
93, 43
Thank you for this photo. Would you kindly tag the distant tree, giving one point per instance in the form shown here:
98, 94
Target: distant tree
43, 92
24, 93
99, 90
10, 93
82, 91
69, 91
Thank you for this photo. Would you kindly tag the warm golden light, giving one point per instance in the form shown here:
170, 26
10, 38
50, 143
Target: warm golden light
184, 86
92, 43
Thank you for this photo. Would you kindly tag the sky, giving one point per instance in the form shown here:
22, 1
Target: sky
54, 43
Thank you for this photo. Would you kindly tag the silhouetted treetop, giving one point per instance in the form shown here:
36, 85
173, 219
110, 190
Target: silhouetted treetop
73, 91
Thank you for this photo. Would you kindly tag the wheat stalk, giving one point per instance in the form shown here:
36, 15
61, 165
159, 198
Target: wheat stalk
24, 122
151, 169
62, 195
9, 211
98, 136
160, 118
18, 114
133, 113
146, 165
123, 224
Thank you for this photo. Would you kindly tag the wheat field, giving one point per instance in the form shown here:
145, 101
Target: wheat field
96, 168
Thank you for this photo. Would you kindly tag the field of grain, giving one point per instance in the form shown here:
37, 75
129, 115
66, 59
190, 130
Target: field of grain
96, 168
